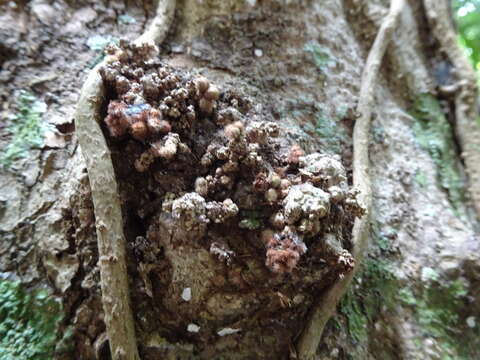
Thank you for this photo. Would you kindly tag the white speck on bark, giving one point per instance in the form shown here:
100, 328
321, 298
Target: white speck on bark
228, 331
187, 294
193, 328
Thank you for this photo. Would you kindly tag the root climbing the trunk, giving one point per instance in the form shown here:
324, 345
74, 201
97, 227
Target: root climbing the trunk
328, 301
466, 98
119, 321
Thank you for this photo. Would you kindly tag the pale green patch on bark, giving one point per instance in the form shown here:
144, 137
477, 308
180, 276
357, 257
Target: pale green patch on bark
28, 323
26, 129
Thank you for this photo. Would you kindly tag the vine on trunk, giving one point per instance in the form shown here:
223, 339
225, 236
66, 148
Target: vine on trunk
327, 303
119, 321
466, 103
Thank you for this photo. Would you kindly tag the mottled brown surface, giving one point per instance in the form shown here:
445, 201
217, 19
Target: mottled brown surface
45, 198
264, 290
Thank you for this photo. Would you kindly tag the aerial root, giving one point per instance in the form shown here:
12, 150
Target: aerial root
119, 321
326, 304
466, 95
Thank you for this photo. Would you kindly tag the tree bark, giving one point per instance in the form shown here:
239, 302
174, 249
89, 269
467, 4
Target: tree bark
467, 124
211, 290
109, 224
328, 302
108, 214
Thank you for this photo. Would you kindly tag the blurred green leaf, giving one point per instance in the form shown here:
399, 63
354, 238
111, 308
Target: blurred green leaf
467, 14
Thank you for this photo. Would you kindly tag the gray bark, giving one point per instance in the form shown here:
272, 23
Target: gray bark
300, 64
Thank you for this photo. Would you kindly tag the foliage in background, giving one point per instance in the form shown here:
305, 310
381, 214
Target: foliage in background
26, 128
467, 15
28, 323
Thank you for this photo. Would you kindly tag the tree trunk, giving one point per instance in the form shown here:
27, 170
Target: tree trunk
217, 265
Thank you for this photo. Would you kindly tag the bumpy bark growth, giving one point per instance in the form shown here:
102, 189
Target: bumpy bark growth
326, 305
119, 322
227, 204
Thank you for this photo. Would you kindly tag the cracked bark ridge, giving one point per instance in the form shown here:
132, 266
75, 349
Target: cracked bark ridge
111, 240
327, 302
466, 115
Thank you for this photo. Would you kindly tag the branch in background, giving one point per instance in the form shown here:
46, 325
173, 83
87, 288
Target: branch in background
158, 29
466, 115
119, 321
327, 303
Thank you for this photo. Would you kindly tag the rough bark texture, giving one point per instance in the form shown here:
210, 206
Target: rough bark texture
298, 64
326, 306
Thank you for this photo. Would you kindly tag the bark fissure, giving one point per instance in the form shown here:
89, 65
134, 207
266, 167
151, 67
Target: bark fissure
119, 319
327, 302
466, 122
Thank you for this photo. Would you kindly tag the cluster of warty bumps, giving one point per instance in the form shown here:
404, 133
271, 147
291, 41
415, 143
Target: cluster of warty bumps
158, 107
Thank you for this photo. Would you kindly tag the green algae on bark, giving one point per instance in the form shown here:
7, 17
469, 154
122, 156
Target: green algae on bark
28, 322
435, 134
